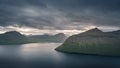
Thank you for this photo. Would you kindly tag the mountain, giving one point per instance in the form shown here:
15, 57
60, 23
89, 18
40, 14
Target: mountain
13, 34
93, 41
60, 37
48, 38
14, 37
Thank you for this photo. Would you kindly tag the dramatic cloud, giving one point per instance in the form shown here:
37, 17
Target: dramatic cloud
60, 14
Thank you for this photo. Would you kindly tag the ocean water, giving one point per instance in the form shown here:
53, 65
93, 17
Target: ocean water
43, 55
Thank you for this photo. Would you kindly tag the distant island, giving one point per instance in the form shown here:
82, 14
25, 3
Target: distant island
93, 41
14, 37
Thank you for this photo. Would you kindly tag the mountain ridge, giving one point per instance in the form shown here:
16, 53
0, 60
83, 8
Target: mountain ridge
93, 41
14, 37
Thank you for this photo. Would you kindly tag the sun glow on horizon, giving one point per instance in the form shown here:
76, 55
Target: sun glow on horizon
34, 31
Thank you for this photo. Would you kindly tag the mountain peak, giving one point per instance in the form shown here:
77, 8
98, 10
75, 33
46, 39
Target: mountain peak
13, 32
60, 35
94, 30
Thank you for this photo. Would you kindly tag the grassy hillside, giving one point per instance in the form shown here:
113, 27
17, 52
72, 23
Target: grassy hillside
93, 42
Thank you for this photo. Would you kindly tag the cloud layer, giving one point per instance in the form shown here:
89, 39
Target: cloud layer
60, 14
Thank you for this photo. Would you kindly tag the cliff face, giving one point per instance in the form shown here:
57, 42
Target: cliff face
93, 41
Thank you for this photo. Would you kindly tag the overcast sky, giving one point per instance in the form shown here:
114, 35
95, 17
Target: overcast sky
55, 16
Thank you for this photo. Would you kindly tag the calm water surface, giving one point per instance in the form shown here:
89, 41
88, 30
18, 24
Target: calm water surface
43, 55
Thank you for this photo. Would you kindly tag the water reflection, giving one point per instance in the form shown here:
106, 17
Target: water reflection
10, 51
43, 55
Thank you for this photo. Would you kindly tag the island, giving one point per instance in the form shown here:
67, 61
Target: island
14, 37
94, 42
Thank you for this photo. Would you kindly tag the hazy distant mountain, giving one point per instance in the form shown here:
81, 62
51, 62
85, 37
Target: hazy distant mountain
14, 37
48, 38
93, 41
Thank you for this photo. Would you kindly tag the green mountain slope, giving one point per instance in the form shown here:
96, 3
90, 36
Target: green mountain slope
93, 41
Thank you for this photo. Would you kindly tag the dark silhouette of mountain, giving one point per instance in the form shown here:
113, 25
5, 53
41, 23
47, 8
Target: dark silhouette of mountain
12, 34
14, 37
93, 41
115, 32
95, 30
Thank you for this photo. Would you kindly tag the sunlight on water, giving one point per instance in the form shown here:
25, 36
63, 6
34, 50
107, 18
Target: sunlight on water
29, 50
38, 47
43, 55
42, 50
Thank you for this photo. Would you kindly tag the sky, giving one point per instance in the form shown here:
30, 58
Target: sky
59, 16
